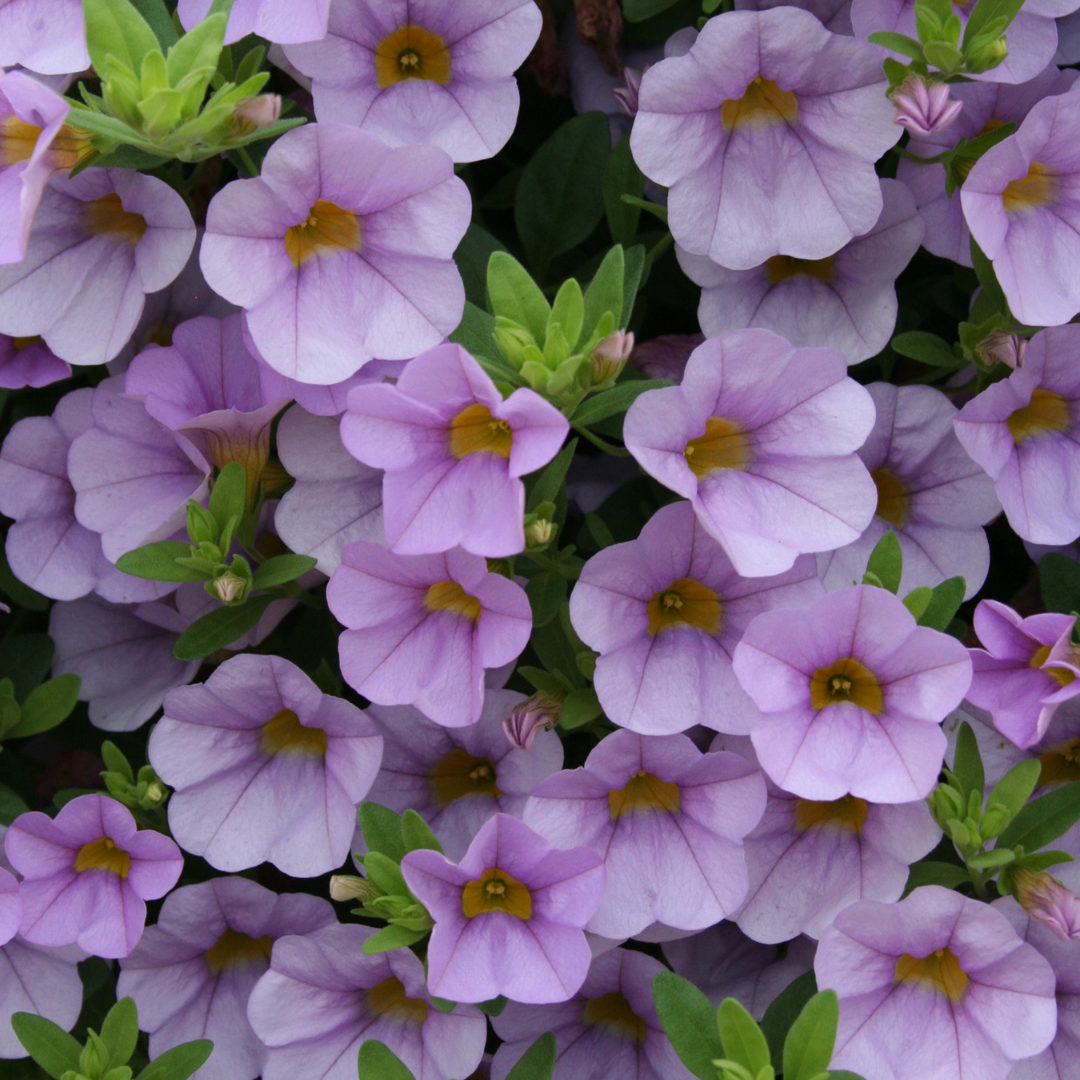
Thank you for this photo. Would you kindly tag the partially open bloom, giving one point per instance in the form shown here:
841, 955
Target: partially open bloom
454, 453
87, 874
934, 987
439, 73
339, 251
1044, 898
193, 971
529, 719
276, 20
508, 917
924, 109
852, 694
668, 822
766, 132
48, 36
761, 437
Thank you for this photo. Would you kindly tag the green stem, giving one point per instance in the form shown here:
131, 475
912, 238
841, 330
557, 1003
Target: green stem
608, 448
659, 248
245, 157
937, 159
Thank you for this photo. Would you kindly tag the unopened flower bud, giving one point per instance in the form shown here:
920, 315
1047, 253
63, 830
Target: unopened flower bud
1001, 346
987, 57
348, 887
627, 95
924, 108
539, 533
539, 713
258, 112
1044, 898
609, 357
154, 794
229, 587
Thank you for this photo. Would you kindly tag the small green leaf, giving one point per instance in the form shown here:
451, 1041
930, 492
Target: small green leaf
115, 28
474, 336
809, 1044
580, 707
917, 600
887, 562
115, 761
179, 1062
623, 177
782, 1013
607, 292
50, 1046
986, 11
471, 257
11, 805
1014, 789
385, 873
936, 873
984, 270
494, 1007
550, 481
1059, 582
689, 1021
568, 312
157, 562
378, 1062
1043, 860
944, 604
383, 830
120, 1032
199, 48
227, 500
158, 19
26, 660
1044, 819
967, 761
546, 592
926, 348
417, 833
281, 569
514, 295
743, 1040
48, 705
538, 1062
991, 860
219, 629
614, 401
897, 43
390, 938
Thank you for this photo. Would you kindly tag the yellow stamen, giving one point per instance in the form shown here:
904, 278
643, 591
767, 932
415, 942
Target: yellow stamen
892, 497
939, 971
412, 52
1035, 189
284, 734
21, 343
107, 216
1060, 764
781, 267
763, 103
723, 446
234, 949
327, 228
848, 814
644, 792
1063, 676
496, 890
685, 602
1046, 411
613, 1011
460, 774
388, 998
450, 596
103, 854
846, 680
475, 431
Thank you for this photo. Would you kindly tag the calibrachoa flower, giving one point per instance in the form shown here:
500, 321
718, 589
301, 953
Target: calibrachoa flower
44, 35
809, 860
766, 132
37, 980
1017, 203
761, 437
266, 767
834, 14
667, 820
276, 20
29, 362
1023, 430
845, 301
665, 612
508, 917
454, 452
339, 251
438, 73
1047, 901
100, 242
923, 108
10, 906
421, 629
458, 778
193, 971
87, 874
929, 493
1026, 668
608, 1030
852, 694
934, 987
322, 998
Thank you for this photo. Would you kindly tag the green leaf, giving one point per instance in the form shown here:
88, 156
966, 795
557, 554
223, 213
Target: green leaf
219, 629
514, 295
378, 1062
198, 48
898, 43
538, 1062
639, 11
22, 594
944, 603
50, 1046
390, 938
743, 1040
227, 500
250, 64
115, 28
11, 805
108, 127
280, 569
115, 761
917, 600
158, 19
614, 401
809, 1044
157, 562
936, 873
383, 830
129, 157
385, 873
474, 334
25, 660
48, 705
580, 707
546, 592
1059, 583
560, 199
568, 312
991, 860
1044, 819
926, 348
417, 833
623, 177
1014, 789
782, 1013
550, 481
985, 11
599, 531
984, 270
967, 761
120, 1032
10, 713
494, 1007
887, 562
472, 255
635, 259
689, 1021
1043, 860
179, 1062
607, 291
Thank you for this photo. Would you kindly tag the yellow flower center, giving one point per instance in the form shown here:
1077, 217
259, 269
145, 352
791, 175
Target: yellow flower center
846, 680
412, 52
892, 497
848, 814
21, 343
107, 217
1046, 411
644, 792
781, 267
284, 734
1060, 764
18, 140
327, 228
1061, 675
685, 602
460, 774
475, 431
496, 890
723, 446
613, 1012
388, 998
940, 971
103, 854
450, 596
762, 104
234, 949
1035, 189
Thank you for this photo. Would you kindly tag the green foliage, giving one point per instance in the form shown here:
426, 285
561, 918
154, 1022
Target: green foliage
378, 1062
689, 1021
538, 1062
886, 564
1059, 582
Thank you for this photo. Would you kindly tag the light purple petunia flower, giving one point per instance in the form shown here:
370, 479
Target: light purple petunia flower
509, 916
193, 971
929, 493
47, 36
1018, 202
723, 962
852, 694
322, 998
761, 437
421, 629
101, 241
87, 874
846, 301
458, 778
766, 133
438, 72
1023, 431
266, 767
986, 106
665, 612
276, 20
810, 860
340, 251
834, 14
1026, 668
454, 453
667, 820
925, 108
609, 1030
933, 988
29, 362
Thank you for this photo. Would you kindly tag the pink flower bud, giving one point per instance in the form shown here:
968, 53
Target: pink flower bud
610, 355
924, 108
1044, 898
1007, 348
539, 713
259, 112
